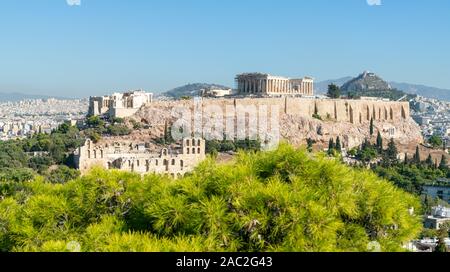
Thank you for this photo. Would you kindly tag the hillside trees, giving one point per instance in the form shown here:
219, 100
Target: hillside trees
283, 200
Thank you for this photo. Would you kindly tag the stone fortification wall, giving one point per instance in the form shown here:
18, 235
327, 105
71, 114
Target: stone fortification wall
348, 119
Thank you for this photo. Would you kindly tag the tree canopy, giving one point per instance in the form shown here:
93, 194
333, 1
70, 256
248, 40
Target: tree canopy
333, 91
283, 200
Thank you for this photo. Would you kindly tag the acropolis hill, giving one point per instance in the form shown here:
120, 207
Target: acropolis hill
348, 119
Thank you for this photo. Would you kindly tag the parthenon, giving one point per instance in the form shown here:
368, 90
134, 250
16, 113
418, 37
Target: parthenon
268, 85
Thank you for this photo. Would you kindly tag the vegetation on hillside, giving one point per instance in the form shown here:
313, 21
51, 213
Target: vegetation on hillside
213, 147
284, 200
392, 94
410, 175
20, 160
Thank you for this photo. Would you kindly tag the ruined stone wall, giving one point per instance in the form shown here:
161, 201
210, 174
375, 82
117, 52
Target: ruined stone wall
348, 119
352, 111
131, 157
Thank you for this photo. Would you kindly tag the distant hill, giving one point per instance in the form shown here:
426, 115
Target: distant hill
191, 89
366, 81
422, 90
322, 86
14, 97
371, 85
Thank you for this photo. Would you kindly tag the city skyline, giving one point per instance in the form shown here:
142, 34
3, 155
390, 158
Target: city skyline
95, 47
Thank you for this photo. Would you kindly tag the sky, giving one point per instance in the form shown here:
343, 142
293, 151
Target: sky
78, 48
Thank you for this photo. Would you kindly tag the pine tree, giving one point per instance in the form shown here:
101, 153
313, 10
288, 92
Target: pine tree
333, 91
391, 154
444, 163
429, 161
331, 146
379, 141
416, 158
310, 144
371, 127
338, 145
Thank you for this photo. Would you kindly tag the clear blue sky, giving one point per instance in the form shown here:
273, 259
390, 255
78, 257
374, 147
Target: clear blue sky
49, 47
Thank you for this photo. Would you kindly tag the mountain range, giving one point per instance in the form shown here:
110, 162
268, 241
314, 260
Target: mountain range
320, 88
422, 90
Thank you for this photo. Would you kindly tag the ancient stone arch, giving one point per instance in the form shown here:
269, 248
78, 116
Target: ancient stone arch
166, 164
403, 112
392, 114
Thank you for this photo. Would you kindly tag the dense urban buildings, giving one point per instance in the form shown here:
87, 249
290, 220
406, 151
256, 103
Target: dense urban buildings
119, 104
433, 116
27, 117
267, 85
439, 216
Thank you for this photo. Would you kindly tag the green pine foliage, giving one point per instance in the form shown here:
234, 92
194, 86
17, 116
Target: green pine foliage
283, 200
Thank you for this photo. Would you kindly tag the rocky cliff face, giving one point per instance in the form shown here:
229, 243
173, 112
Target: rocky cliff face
296, 128
365, 82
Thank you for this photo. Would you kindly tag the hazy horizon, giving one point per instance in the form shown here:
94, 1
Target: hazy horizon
52, 48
